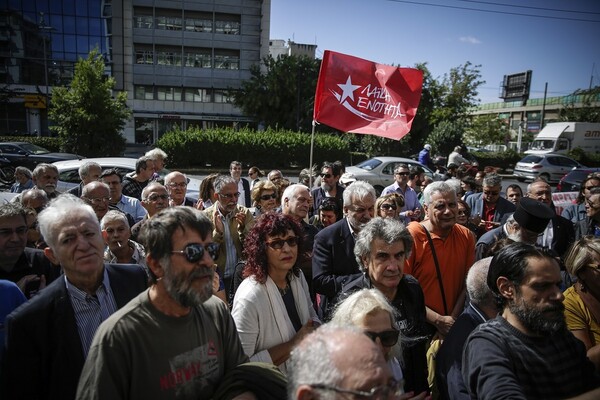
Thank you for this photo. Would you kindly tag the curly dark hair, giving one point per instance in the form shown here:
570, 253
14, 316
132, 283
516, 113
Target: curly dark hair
255, 247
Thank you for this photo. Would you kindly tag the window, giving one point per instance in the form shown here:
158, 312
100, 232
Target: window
144, 93
143, 21
225, 59
199, 58
227, 24
144, 57
220, 96
168, 58
197, 95
198, 25
168, 93
169, 23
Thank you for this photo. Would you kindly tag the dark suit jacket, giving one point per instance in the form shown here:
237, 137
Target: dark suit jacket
247, 196
563, 235
44, 356
333, 263
487, 240
503, 206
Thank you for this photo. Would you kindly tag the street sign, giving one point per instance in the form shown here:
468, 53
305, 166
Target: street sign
34, 101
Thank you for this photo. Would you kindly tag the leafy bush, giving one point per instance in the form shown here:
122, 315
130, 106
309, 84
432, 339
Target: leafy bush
278, 149
503, 160
587, 159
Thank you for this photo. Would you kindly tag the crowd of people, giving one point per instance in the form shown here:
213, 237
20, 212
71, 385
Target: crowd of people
447, 286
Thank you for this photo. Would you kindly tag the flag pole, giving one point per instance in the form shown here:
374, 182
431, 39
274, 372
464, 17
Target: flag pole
312, 144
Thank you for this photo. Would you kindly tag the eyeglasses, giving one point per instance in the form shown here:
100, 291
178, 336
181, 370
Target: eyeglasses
156, 197
230, 195
266, 197
389, 207
177, 185
278, 243
403, 173
388, 338
194, 252
21, 230
592, 205
326, 176
97, 200
393, 388
589, 187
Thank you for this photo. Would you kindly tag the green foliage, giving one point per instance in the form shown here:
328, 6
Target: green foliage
486, 129
53, 144
86, 116
445, 136
587, 113
277, 149
283, 96
587, 159
503, 160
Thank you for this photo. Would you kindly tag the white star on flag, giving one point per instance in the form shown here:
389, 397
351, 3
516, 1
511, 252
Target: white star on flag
348, 89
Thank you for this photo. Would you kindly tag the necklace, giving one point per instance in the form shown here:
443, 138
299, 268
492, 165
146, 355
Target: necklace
284, 290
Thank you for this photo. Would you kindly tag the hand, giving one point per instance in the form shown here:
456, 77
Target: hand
216, 283
218, 223
307, 328
199, 205
241, 220
411, 396
443, 323
30, 279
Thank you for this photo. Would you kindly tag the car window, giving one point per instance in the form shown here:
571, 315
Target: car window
568, 162
369, 164
7, 148
531, 159
389, 169
71, 176
553, 160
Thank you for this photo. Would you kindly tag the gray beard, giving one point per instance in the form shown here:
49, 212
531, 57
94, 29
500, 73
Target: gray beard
326, 187
188, 296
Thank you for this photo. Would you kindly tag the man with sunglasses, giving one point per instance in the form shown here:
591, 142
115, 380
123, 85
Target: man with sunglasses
231, 223
591, 224
489, 208
382, 248
26, 267
48, 338
330, 187
411, 211
175, 340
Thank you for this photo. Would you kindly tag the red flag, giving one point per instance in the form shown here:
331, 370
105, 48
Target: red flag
360, 96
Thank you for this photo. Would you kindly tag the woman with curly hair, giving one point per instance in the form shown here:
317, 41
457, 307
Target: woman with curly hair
272, 309
264, 197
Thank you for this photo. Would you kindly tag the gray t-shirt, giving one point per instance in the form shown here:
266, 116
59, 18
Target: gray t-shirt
140, 353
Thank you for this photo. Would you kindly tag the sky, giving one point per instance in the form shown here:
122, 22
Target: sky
563, 51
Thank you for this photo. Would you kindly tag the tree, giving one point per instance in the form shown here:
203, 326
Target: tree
587, 113
86, 116
445, 136
282, 97
486, 129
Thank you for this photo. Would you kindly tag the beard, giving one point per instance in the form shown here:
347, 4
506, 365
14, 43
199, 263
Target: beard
180, 286
542, 321
325, 186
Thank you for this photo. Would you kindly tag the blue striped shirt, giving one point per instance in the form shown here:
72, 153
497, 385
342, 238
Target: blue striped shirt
90, 310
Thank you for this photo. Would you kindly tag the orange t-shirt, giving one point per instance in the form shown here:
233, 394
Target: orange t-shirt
455, 255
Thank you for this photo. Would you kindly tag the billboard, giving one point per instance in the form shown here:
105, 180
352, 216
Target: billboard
516, 86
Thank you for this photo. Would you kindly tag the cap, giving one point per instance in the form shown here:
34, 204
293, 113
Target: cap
347, 178
427, 146
533, 215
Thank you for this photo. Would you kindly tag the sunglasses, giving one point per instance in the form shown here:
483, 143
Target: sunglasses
194, 252
266, 197
403, 173
388, 338
388, 207
326, 176
278, 243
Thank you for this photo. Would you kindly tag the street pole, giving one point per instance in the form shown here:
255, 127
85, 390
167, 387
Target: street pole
44, 28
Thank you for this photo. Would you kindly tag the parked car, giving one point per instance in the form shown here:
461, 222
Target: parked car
551, 167
379, 171
24, 154
571, 182
68, 172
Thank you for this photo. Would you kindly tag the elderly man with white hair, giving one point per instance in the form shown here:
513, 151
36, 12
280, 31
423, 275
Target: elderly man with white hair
89, 171
119, 247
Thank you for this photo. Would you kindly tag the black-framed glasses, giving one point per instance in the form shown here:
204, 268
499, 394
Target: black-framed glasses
388, 338
194, 252
326, 176
229, 195
277, 244
266, 197
393, 388
97, 200
403, 173
388, 207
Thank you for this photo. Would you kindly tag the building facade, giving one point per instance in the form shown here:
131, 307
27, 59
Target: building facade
176, 59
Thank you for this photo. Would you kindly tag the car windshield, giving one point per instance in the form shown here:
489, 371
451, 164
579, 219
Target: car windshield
369, 164
531, 159
34, 148
542, 145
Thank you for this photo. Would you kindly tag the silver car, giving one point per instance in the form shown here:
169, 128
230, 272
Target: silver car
68, 172
379, 171
550, 167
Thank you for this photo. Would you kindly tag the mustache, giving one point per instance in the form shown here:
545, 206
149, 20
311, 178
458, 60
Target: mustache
200, 272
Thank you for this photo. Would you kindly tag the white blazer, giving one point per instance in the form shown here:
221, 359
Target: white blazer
261, 318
